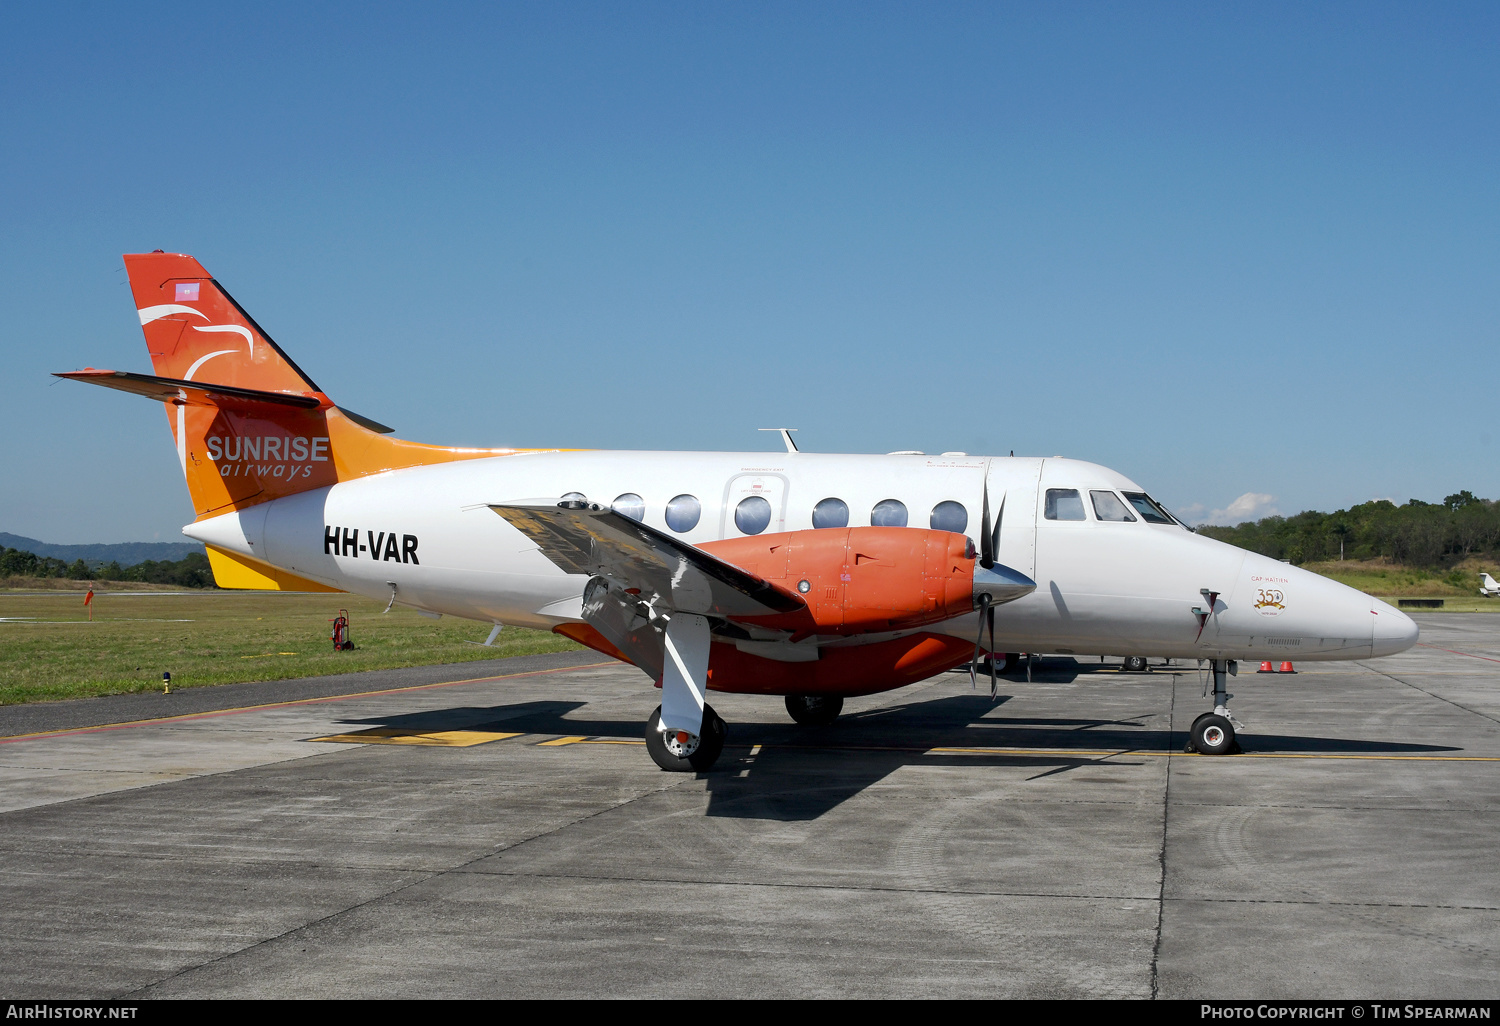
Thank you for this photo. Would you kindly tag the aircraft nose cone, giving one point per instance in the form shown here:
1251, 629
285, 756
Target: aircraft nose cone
1394, 631
1001, 583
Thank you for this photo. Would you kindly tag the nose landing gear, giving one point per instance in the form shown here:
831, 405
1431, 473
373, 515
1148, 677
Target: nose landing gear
1213, 733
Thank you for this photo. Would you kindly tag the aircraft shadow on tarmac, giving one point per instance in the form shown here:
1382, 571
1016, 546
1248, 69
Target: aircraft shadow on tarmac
799, 773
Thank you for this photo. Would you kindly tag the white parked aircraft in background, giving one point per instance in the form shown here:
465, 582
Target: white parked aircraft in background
803, 575
1487, 586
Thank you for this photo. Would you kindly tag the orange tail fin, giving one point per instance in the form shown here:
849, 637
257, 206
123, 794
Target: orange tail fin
194, 328
250, 425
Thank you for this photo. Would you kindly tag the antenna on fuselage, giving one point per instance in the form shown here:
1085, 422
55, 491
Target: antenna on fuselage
786, 436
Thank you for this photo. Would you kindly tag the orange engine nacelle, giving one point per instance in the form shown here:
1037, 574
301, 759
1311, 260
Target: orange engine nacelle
859, 579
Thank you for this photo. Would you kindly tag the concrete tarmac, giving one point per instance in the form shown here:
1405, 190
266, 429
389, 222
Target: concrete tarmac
509, 837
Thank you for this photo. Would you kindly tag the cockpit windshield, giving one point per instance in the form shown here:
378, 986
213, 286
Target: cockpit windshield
1107, 507
1148, 509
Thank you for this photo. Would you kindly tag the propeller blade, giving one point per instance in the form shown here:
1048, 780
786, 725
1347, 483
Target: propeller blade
986, 543
995, 534
984, 608
994, 681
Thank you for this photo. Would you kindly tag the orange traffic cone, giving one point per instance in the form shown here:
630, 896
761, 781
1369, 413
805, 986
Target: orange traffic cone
1265, 667
1286, 668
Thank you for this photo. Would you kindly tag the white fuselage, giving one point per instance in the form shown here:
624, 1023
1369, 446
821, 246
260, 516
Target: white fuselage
1103, 588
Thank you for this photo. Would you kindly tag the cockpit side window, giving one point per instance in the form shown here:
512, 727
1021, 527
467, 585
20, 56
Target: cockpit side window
1108, 507
1148, 509
1064, 504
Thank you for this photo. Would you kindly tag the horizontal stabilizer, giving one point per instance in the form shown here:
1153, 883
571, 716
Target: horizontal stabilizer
192, 393
669, 574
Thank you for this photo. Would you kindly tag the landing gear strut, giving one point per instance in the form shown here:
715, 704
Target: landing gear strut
681, 752
1213, 733
814, 710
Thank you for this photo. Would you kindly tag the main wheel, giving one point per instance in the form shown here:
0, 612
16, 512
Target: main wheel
1213, 735
1135, 664
684, 753
814, 710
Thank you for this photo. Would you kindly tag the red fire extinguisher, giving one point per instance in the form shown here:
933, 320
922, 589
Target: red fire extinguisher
340, 635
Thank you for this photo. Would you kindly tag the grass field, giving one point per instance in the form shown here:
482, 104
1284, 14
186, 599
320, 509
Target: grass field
1384, 580
1458, 588
50, 650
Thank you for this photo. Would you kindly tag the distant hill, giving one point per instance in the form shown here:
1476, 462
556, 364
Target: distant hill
126, 554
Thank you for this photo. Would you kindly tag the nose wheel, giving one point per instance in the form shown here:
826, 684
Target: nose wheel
1213, 732
681, 752
1212, 735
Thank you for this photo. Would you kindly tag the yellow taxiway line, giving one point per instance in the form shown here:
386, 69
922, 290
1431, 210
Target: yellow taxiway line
397, 736
468, 738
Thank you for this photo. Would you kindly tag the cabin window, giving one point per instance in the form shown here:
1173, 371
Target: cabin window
752, 515
630, 505
949, 516
574, 497
683, 513
1148, 509
888, 513
1108, 507
831, 513
1064, 504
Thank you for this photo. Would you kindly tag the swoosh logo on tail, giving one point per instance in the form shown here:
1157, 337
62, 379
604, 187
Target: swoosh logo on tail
249, 338
156, 313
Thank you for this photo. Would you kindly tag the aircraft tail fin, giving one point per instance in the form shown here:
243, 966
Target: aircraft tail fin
250, 424
194, 327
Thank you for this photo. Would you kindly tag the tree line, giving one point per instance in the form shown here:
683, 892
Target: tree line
190, 572
1420, 534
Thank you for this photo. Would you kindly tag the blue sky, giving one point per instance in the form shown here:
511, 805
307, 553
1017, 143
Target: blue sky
1229, 250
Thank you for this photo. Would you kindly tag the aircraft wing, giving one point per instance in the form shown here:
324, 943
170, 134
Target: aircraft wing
670, 574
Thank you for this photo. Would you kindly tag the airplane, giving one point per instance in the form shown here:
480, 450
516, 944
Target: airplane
808, 576
1487, 586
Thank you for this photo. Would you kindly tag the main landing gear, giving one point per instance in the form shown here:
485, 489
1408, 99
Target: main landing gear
1213, 732
814, 710
680, 752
